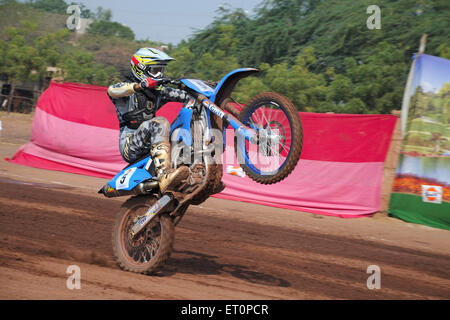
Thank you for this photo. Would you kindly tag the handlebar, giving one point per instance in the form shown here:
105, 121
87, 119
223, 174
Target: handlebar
168, 80
177, 82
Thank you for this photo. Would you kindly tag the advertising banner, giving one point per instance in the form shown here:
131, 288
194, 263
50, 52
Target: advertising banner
421, 191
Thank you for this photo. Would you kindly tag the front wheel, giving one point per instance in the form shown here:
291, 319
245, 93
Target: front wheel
150, 249
280, 138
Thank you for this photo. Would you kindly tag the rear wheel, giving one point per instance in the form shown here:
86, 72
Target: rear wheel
280, 138
150, 249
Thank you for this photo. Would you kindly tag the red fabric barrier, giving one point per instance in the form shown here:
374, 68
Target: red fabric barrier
346, 137
75, 129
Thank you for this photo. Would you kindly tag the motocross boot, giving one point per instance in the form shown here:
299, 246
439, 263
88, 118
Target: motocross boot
168, 178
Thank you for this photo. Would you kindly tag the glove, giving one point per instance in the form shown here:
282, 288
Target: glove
148, 83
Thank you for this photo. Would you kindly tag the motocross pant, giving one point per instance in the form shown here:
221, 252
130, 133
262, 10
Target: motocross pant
134, 144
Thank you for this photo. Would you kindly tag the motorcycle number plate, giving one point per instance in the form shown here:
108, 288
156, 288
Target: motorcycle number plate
123, 181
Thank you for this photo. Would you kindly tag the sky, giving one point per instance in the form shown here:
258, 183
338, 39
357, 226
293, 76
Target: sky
168, 21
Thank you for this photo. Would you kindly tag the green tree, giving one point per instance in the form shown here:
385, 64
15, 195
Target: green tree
443, 103
110, 29
20, 60
378, 81
211, 65
185, 63
57, 6
49, 46
103, 14
444, 50
80, 66
305, 88
369, 67
85, 12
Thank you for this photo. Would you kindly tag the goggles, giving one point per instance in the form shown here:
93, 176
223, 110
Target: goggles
155, 71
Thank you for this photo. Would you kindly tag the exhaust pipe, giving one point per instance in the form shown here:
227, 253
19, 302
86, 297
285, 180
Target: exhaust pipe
142, 188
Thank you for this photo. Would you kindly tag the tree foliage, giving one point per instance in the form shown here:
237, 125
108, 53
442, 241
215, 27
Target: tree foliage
57, 6
25, 55
110, 29
102, 24
319, 53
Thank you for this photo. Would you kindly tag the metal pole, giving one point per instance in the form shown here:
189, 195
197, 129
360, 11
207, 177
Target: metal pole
11, 93
423, 43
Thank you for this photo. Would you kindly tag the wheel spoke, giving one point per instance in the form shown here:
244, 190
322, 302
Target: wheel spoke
142, 249
136, 252
272, 111
264, 116
276, 122
252, 122
285, 149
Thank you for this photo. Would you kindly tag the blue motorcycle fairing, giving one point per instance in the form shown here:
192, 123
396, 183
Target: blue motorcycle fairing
199, 86
131, 176
183, 121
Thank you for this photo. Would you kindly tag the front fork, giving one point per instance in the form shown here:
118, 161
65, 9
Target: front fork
241, 130
159, 206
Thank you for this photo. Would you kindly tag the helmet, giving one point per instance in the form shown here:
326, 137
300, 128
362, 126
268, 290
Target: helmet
149, 62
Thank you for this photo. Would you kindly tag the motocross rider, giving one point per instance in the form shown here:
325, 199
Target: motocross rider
137, 99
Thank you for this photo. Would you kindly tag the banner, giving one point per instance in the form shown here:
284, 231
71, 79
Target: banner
421, 191
75, 129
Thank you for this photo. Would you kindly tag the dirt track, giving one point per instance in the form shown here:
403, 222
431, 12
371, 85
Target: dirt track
223, 249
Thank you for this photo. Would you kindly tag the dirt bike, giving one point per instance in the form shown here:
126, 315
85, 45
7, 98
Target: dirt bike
267, 128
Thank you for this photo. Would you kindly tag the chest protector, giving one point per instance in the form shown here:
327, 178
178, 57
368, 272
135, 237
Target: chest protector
145, 110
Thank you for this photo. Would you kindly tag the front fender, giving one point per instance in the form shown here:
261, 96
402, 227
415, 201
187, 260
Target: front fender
226, 85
